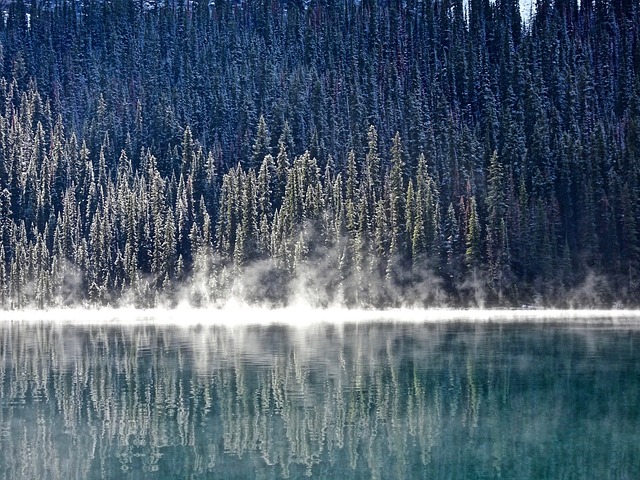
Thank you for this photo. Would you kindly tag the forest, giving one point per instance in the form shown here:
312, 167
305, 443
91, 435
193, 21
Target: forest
371, 153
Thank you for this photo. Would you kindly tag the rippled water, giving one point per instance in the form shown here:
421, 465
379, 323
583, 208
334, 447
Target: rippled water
378, 400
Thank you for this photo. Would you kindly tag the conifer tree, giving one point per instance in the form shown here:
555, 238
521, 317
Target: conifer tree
473, 255
262, 144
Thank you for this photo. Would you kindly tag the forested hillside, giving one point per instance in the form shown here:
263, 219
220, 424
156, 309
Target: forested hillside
369, 153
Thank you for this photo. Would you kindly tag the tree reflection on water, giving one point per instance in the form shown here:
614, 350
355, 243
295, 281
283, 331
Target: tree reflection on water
353, 401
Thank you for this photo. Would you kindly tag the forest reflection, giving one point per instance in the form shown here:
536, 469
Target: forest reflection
349, 401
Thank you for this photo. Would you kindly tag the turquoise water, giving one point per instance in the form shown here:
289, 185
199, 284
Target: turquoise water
383, 400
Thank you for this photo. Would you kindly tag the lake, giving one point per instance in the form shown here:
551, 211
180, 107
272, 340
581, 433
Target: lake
437, 400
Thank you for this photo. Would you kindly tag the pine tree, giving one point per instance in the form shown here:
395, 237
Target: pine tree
473, 255
396, 197
451, 246
496, 226
352, 185
373, 166
262, 144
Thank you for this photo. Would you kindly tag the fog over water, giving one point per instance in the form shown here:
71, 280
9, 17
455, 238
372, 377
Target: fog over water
302, 315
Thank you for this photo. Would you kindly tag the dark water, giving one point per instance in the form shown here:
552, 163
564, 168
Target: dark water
454, 401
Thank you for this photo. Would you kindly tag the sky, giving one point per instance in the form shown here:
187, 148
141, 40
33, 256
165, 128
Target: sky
526, 7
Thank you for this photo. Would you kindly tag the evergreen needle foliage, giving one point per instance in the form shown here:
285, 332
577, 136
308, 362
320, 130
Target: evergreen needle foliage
367, 152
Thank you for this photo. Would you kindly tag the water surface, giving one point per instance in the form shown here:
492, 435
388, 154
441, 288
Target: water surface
385, 400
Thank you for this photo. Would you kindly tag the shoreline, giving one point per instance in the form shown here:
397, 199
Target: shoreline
301, 316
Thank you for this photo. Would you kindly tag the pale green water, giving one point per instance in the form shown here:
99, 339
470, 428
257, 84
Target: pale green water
454, 401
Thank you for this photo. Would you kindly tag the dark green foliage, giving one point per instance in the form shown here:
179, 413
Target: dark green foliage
366, 152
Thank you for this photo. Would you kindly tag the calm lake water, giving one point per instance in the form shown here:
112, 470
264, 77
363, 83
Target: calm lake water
380, 400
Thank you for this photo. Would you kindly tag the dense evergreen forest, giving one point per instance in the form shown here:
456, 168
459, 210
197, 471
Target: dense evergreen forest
369, 153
